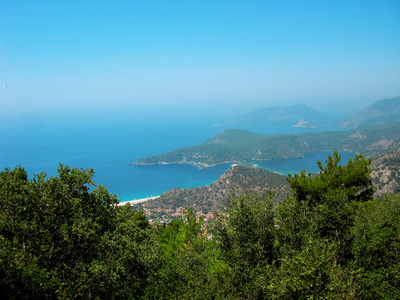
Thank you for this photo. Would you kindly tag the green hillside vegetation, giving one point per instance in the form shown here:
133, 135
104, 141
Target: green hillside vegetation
60, 240
233, 136
215, 196
237, 146
64, 238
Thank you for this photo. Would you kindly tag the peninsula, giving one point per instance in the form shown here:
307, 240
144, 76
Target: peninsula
239, 146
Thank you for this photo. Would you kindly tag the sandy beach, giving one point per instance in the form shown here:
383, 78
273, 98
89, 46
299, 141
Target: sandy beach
138, 200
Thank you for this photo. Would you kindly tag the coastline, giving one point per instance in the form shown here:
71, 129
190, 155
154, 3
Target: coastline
131, 202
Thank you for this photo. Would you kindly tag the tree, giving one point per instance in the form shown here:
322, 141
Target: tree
189, 266
376, 248
315, 235
311, 273
352, 179
245, 235
325, 202
59, 239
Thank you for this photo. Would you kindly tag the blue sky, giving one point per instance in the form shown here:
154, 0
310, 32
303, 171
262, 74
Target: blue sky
120, 57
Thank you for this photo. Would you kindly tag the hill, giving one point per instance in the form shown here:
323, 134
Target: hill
386, 174
296, 116
383, 112
238, 146
212, 197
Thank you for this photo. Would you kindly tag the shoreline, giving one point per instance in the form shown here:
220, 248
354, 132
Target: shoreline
131, 202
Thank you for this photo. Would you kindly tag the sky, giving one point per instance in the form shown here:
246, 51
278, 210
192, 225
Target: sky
177, 58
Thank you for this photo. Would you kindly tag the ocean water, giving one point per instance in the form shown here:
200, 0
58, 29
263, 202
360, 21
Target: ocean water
308, 162
109, 145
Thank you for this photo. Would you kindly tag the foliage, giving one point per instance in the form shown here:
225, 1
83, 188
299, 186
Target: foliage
323, 205
311, 273
189, 266
61, 240
246, 239
376, 248
353, 180
63, 237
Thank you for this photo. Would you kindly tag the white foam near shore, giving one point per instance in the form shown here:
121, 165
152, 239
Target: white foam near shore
136, 201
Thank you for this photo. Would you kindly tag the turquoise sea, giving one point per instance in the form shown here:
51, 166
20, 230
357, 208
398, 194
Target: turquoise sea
108, 145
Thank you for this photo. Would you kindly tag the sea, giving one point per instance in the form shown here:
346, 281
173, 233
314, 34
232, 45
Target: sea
110, 144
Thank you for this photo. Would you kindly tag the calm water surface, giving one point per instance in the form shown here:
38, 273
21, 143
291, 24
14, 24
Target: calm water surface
109, 147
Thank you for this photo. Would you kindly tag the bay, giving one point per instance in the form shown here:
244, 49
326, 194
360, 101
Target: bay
307, 163
108, 145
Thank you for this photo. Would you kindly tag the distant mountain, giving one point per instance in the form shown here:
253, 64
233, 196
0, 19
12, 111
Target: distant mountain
383, 112
296, 116
233, 136
237, 146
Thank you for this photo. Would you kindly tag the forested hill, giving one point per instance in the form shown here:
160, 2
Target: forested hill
212, 197
237, 146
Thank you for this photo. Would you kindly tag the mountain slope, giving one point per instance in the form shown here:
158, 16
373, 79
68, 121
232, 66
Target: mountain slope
214, 196
382, 112
296, 115
386, 173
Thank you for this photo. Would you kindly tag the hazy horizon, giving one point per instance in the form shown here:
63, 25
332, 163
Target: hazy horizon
92, 60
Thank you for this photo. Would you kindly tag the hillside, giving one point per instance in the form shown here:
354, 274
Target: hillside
237, 146
386, 174
383, 112
297, 116
212, 197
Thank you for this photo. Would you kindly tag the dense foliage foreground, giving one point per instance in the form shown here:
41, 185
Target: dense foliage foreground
62, 237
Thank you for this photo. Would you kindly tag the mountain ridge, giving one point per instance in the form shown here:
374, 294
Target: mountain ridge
382, 112
298, 115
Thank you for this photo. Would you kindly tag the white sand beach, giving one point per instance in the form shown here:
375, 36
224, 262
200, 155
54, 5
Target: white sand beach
138, 200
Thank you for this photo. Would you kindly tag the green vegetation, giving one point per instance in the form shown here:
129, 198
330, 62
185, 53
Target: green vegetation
215, 196
64, 238
58, 240
233, 146
352, 180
